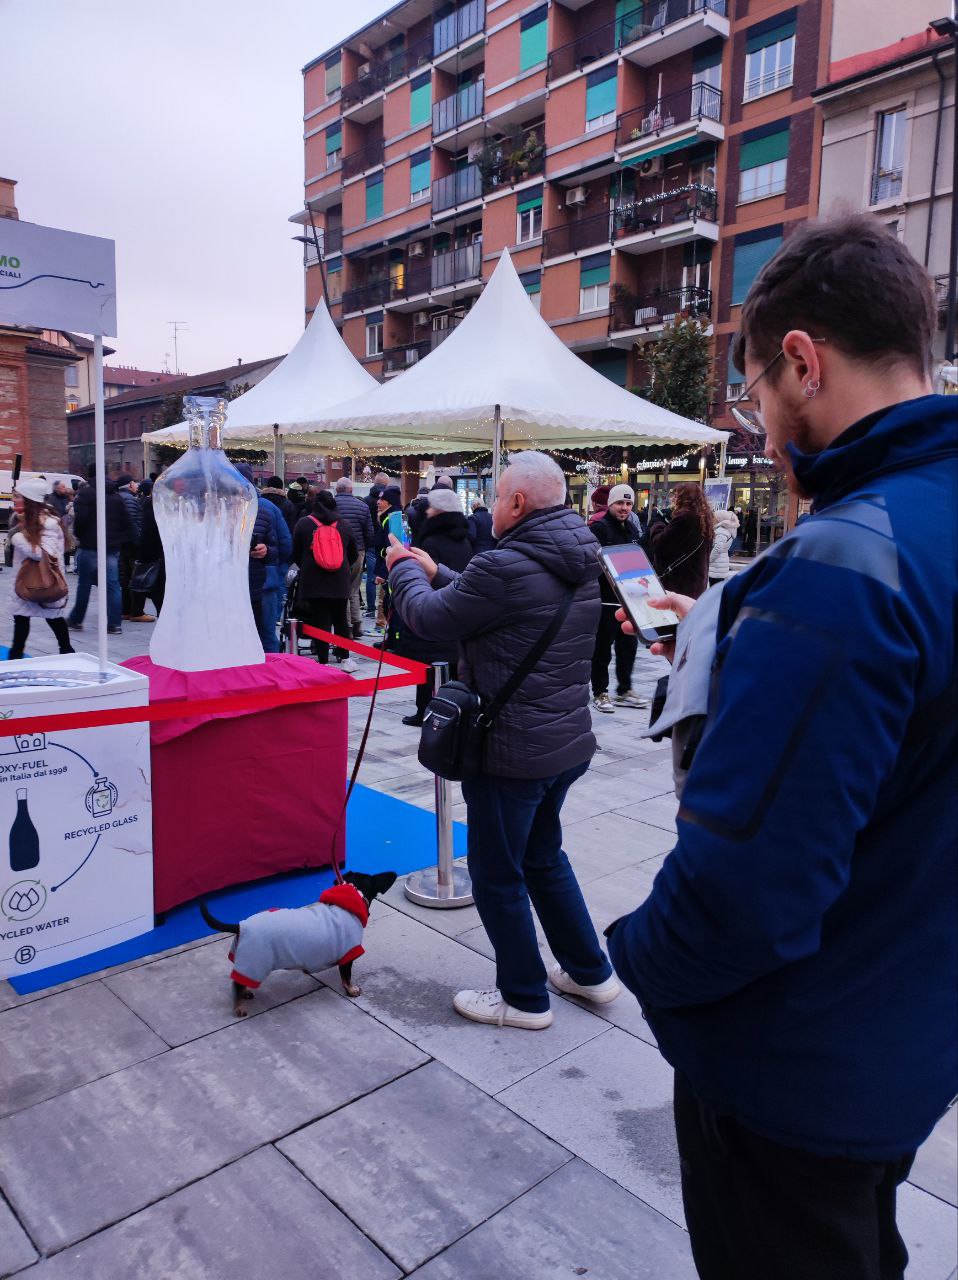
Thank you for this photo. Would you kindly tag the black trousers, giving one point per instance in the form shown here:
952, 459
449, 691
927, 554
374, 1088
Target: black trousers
611, 634
21, 629
326, 615
756, 1210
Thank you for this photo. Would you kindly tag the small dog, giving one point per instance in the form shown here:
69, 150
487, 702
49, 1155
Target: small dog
310, 938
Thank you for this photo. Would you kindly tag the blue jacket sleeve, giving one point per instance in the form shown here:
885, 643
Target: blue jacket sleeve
820, 660
284, 539
452, 606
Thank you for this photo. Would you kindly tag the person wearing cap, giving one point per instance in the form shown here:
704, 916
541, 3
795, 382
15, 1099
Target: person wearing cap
480, 526
389, 500
38, 530
444, 536
613, 529
133, 602
119, 529
599, 503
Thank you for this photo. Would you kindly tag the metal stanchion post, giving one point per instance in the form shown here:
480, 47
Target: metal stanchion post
292, 635
445, 884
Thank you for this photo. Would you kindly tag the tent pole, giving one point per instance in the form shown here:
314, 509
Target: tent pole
99, 459
278, 460
723, 450
496, 450
146, 458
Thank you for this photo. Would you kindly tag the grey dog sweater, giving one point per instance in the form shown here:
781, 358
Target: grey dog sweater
325, 933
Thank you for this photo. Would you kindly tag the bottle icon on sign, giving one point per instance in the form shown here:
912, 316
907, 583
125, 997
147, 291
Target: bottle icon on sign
24, 841
101, 797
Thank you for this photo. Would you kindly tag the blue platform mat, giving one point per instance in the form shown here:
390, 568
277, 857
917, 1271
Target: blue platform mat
382, 834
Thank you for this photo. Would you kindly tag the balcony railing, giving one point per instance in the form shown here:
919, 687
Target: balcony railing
465, 104
468, 20
646, 19
373, 294
628, 311
514, 158
655, 212
697, 102
456, 188
584, 234
410, 281
368, 155
457, 265
379, 72
887, 185
396, 359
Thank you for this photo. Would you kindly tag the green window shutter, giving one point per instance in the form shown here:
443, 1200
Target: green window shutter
764, 150
334, 266
532, 38
420, 100
594, 269
707, 55
334, 138
419, 167
629, 18
612, 365
374, 197
752, 251
531, 281
530, 200
770, 32
334, 74
735, 374
600, 92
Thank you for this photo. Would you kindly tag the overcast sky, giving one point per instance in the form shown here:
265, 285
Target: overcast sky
173, 127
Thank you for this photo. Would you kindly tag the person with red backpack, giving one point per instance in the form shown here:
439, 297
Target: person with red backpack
324, 548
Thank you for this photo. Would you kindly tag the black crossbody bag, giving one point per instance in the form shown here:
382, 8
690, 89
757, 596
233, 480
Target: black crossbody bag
455, 722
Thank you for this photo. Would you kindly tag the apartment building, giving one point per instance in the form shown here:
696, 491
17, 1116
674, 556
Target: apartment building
637, 160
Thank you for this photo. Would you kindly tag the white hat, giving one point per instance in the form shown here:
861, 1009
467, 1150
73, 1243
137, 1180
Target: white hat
444, 500
32, 490
620, 491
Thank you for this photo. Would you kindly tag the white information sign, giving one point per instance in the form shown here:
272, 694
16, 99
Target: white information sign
76, 839
717, 493
56, 279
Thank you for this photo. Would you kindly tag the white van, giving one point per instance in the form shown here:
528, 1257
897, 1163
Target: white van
6, 487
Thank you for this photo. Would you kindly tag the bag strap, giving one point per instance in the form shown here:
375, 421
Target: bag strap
528, 662
688, 556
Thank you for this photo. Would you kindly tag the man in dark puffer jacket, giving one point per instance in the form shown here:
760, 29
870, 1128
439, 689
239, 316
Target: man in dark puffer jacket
539, 745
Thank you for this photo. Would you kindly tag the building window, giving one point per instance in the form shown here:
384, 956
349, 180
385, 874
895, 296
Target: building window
419, 166
594, 282
529, 216
334, 74
71, 376
600, 97
769, 57
752, 250
763, 164
735, 379
374, 334
532, 283
374, 197
72, 404
334, 280
334, 145
612, 365
532, 38
420, 100
889, 155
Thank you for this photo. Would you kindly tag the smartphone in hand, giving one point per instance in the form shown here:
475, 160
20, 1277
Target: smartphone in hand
397, 526
633, 580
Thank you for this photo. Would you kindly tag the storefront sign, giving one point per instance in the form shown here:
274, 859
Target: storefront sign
56, 279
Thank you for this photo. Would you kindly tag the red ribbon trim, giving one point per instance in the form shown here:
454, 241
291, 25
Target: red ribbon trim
187, 708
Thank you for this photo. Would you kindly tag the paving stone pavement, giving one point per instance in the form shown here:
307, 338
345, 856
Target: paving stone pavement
145, 1134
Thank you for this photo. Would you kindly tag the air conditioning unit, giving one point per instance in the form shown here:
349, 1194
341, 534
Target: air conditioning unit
577, 196
474, 151
650, 168
420, 319
417, 249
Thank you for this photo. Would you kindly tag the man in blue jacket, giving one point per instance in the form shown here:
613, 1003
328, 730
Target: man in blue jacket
796, 957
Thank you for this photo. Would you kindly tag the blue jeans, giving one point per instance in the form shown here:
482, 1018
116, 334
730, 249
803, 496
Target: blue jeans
516, 856
86, 578
371, 583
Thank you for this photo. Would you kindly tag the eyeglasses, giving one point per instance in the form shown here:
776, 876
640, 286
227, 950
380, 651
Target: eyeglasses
751, 420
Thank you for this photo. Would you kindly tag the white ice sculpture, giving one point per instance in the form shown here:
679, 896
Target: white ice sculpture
205, 512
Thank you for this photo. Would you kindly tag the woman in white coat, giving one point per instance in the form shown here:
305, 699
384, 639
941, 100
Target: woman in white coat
38, 530
726, 529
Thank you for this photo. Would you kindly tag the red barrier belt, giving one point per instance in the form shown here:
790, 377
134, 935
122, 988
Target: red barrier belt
186, 708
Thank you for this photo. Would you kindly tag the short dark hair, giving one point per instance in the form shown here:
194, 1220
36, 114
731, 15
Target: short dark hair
846, 279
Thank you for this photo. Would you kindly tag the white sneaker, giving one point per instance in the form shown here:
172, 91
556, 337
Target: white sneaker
489, 1006
598, 993
604, 703
630, 699
348, 665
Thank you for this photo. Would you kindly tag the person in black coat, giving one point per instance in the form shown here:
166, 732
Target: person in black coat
444, 536
272, 490
322, 595
613, 529
480, 527
681, 547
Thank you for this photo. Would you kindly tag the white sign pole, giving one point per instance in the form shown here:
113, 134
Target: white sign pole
99, 457
496, 451
723, 452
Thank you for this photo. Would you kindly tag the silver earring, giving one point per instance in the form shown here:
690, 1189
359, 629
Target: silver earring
811, 388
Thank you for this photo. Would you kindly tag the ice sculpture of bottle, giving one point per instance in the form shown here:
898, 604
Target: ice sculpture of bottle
205, 512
